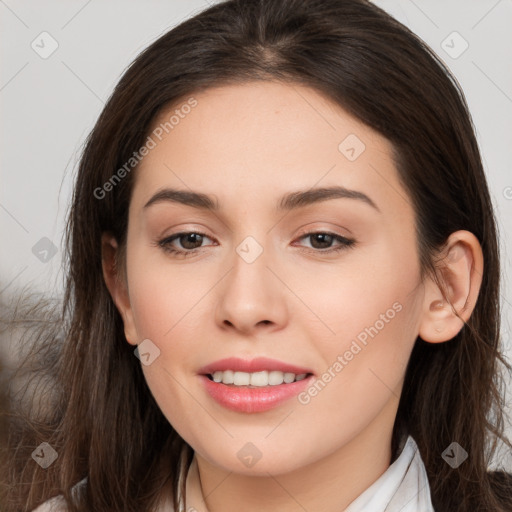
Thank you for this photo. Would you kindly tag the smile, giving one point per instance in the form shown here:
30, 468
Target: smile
256, 379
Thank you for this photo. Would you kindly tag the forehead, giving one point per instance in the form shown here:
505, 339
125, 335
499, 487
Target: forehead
261, 139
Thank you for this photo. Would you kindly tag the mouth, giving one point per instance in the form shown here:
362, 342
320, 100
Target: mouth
234, 369
252, 380
253, 386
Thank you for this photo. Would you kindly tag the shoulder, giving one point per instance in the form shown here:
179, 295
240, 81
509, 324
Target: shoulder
57, 504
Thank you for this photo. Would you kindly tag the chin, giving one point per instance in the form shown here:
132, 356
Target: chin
259, 458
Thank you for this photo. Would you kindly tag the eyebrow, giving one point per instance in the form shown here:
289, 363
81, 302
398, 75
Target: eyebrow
290, 201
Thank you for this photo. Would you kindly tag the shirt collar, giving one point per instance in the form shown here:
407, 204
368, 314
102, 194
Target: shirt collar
403, 487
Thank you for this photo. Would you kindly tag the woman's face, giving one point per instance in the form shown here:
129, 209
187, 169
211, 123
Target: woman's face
326, 283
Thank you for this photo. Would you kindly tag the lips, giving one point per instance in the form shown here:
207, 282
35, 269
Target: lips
247, 398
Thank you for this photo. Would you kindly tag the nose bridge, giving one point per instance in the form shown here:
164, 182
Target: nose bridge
251, 294
249, 250
250, 277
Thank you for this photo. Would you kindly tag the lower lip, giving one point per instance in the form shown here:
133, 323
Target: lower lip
257, 399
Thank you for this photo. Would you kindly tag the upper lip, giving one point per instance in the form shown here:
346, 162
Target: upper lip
250, 366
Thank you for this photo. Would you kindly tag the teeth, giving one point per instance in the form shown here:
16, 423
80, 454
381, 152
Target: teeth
288, 377
241, 379
257, 379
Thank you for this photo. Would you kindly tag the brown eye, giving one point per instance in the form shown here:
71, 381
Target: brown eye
190, 240
187, 243
323, 241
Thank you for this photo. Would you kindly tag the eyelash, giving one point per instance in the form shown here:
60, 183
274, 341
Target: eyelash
345, 243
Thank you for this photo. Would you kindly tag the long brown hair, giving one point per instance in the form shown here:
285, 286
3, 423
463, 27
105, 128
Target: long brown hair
102, 419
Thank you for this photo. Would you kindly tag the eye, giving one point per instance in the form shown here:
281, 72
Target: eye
323, 241
190, 242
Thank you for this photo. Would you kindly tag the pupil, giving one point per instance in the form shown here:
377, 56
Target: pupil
324, 238
191, 237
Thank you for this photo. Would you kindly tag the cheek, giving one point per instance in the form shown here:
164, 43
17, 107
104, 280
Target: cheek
164, 296
364, 363
164, 304
372, 295
164, 301
369, 322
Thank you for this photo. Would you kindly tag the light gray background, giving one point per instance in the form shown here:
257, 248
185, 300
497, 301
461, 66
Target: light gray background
50, 104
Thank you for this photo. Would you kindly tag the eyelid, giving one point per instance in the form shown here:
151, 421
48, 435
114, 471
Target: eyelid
178, 234
314, 230
343, 241
323, 227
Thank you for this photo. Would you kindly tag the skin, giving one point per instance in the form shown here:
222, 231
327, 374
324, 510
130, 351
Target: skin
246, 146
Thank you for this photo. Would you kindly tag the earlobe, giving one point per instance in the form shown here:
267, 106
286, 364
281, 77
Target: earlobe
116, 285
449, 304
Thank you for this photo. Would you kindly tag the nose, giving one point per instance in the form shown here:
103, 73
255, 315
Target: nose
251, 296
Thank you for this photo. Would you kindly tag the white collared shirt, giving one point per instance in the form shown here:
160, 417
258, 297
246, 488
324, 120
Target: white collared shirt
403, 487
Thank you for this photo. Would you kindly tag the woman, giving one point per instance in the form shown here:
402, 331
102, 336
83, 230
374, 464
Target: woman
283, 280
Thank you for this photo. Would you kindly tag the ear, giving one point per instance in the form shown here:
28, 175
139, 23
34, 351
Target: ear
448, 304
117, 285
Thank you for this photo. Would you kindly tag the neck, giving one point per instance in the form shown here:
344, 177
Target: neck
327, 485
